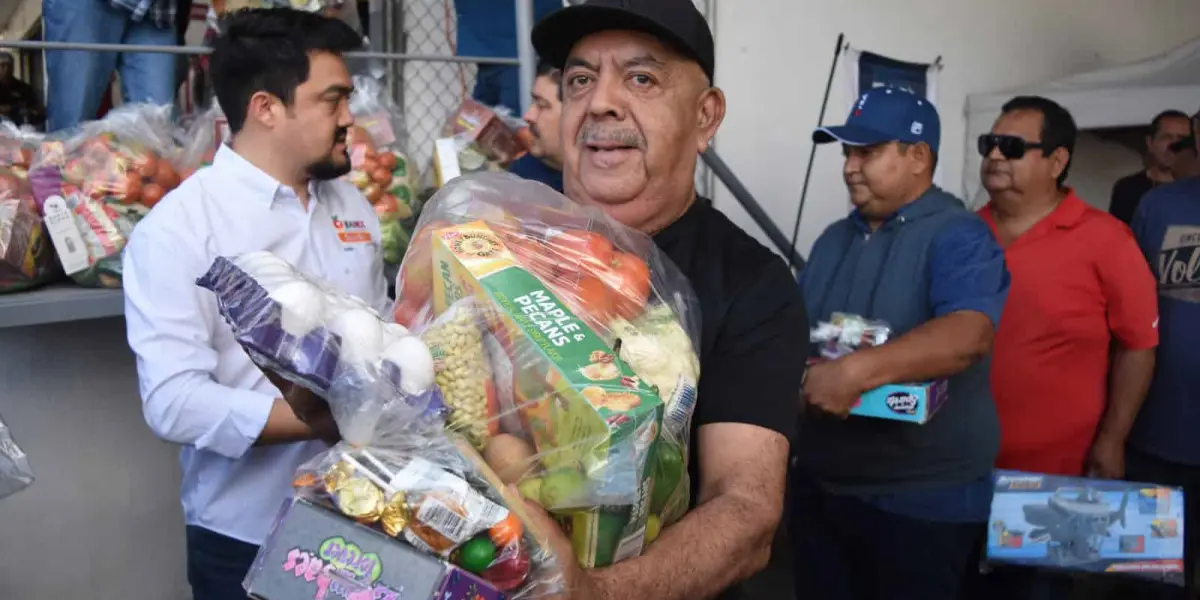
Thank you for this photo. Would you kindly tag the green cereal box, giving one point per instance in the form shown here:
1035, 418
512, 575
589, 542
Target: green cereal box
593, 422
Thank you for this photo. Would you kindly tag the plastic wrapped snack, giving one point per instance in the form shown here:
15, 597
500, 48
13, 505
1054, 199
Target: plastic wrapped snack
845, 333
26, 257
380, 170
95, 184
396, 470
586, 396
15, 474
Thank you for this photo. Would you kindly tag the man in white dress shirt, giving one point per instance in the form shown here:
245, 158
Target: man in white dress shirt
281, 79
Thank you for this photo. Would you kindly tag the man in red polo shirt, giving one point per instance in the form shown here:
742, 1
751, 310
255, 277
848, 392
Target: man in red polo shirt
1074, 353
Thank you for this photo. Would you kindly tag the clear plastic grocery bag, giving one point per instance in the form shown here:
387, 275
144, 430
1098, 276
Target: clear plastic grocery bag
381, 170
15, 474
27, 259
95, 182
573, 367
396, 470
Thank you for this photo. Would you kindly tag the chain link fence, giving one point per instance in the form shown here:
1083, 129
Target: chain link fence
430, 91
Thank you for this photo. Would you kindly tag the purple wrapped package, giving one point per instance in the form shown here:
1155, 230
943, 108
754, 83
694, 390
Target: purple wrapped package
256, 321
329, 342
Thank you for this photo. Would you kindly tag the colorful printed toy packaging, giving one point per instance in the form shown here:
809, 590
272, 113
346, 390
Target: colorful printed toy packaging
910, 402
1087, 525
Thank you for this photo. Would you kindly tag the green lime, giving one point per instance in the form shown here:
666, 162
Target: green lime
477, 554
653, 527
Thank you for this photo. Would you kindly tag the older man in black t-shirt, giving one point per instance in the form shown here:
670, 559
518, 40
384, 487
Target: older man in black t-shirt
638, 107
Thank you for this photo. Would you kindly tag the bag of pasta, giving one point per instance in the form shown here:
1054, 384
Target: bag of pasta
95, 183
397, 486
574, 367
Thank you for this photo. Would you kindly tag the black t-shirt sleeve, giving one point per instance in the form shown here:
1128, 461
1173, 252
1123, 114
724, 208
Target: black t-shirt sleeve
754, 370
1126, 195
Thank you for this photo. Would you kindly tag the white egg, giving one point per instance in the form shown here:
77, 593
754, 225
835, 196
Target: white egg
303, 306
259, 260
361, 333
275, 276
415, 362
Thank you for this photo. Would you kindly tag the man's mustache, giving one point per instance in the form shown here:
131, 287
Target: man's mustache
340, 135
592, 135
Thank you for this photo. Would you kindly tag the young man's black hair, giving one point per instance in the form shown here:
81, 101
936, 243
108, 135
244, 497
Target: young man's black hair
1156, 124
267, 50
1058, 126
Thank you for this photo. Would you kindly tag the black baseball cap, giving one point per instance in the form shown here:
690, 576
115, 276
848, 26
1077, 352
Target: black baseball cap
677, 23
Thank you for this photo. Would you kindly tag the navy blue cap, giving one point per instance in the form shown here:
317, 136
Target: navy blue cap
886, 114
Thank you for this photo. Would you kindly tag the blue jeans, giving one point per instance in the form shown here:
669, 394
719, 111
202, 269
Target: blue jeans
78, 79
216, 565
499, 85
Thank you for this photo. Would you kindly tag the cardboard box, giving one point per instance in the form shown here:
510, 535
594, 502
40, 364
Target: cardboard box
585, 409
313, 552
1087, 525
914, 403
909, 402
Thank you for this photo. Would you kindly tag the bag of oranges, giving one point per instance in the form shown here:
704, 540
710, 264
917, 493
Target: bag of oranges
98, 181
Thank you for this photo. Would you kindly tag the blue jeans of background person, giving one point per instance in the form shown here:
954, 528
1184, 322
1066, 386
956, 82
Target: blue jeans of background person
78, 80
499, 85
217, 565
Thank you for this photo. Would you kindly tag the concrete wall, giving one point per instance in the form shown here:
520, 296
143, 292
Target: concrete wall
773, 58
102, 520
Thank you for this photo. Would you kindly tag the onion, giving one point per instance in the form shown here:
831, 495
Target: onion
361, 333
415, 362
303, 306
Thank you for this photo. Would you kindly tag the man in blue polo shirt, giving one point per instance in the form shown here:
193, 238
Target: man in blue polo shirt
1163, 446
889, 509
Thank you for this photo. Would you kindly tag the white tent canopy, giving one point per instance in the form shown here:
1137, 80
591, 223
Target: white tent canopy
1123, 96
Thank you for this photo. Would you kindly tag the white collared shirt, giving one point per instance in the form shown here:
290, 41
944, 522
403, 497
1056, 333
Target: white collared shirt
198, 386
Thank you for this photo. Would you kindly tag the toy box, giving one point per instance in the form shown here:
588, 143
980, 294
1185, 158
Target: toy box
594, 423
910, 402
914, 403
315, 553
1087, 525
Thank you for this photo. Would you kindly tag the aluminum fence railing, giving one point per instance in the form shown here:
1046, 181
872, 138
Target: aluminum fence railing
414, 48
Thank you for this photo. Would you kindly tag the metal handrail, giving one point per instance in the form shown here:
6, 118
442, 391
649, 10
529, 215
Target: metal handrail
753, 208
201, 50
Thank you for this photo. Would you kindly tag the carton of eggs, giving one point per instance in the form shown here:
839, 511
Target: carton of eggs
309, 332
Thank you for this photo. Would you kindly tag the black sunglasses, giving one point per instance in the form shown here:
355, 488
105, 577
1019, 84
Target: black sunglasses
1010, 146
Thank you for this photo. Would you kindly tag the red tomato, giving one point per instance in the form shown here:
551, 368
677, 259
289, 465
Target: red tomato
381, 175
585, 248
592, 299
387, 160
387, 206
151, 194
133, 188
166, 176
629, 279
146, 165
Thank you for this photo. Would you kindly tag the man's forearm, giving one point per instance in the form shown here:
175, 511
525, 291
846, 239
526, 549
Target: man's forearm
1129, 380
284, 427
939, 348
721, 542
